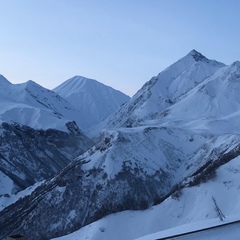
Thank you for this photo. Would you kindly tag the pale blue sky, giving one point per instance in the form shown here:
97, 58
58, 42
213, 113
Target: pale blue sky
119, 43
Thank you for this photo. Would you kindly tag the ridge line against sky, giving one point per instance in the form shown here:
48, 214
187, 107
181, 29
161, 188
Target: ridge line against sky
119, 43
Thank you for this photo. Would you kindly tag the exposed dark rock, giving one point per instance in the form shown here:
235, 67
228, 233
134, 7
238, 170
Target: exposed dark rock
28, 155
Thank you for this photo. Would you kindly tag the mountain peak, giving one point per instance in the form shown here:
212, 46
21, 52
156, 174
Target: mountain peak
76, 84
236, 63
4, 81
30, 85
197, 56
91, 98
78, 79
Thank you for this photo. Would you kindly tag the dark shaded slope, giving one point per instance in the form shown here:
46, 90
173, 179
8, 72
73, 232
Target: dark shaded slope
28, 155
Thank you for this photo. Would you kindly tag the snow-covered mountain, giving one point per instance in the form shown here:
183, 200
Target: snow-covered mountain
32, 105
39, 134
174, 143
93, 99
163, 91
213, 103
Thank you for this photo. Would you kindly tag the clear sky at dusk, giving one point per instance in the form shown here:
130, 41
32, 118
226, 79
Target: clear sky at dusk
119, 43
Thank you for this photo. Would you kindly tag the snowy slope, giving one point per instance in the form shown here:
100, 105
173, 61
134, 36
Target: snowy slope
213, 103
3, 81
39, 135
93, 99
97, 231
6, 196
34, 106
126, 170
208, 229
194, 205
164, 90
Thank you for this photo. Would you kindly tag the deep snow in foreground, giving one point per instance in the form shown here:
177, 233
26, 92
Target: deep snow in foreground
194, 206
222, 233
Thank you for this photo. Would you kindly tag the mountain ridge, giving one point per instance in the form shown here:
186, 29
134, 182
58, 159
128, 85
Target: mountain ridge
152, 149
162, 91
30, 113
4, 81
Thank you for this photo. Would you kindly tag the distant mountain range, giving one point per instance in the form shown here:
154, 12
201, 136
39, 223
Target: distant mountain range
85, 101
41, 132
168, 145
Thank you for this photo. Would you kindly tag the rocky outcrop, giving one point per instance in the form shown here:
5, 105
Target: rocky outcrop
29, 155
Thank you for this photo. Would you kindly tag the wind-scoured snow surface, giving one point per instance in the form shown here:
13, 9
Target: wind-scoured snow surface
93, 99
175, 143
